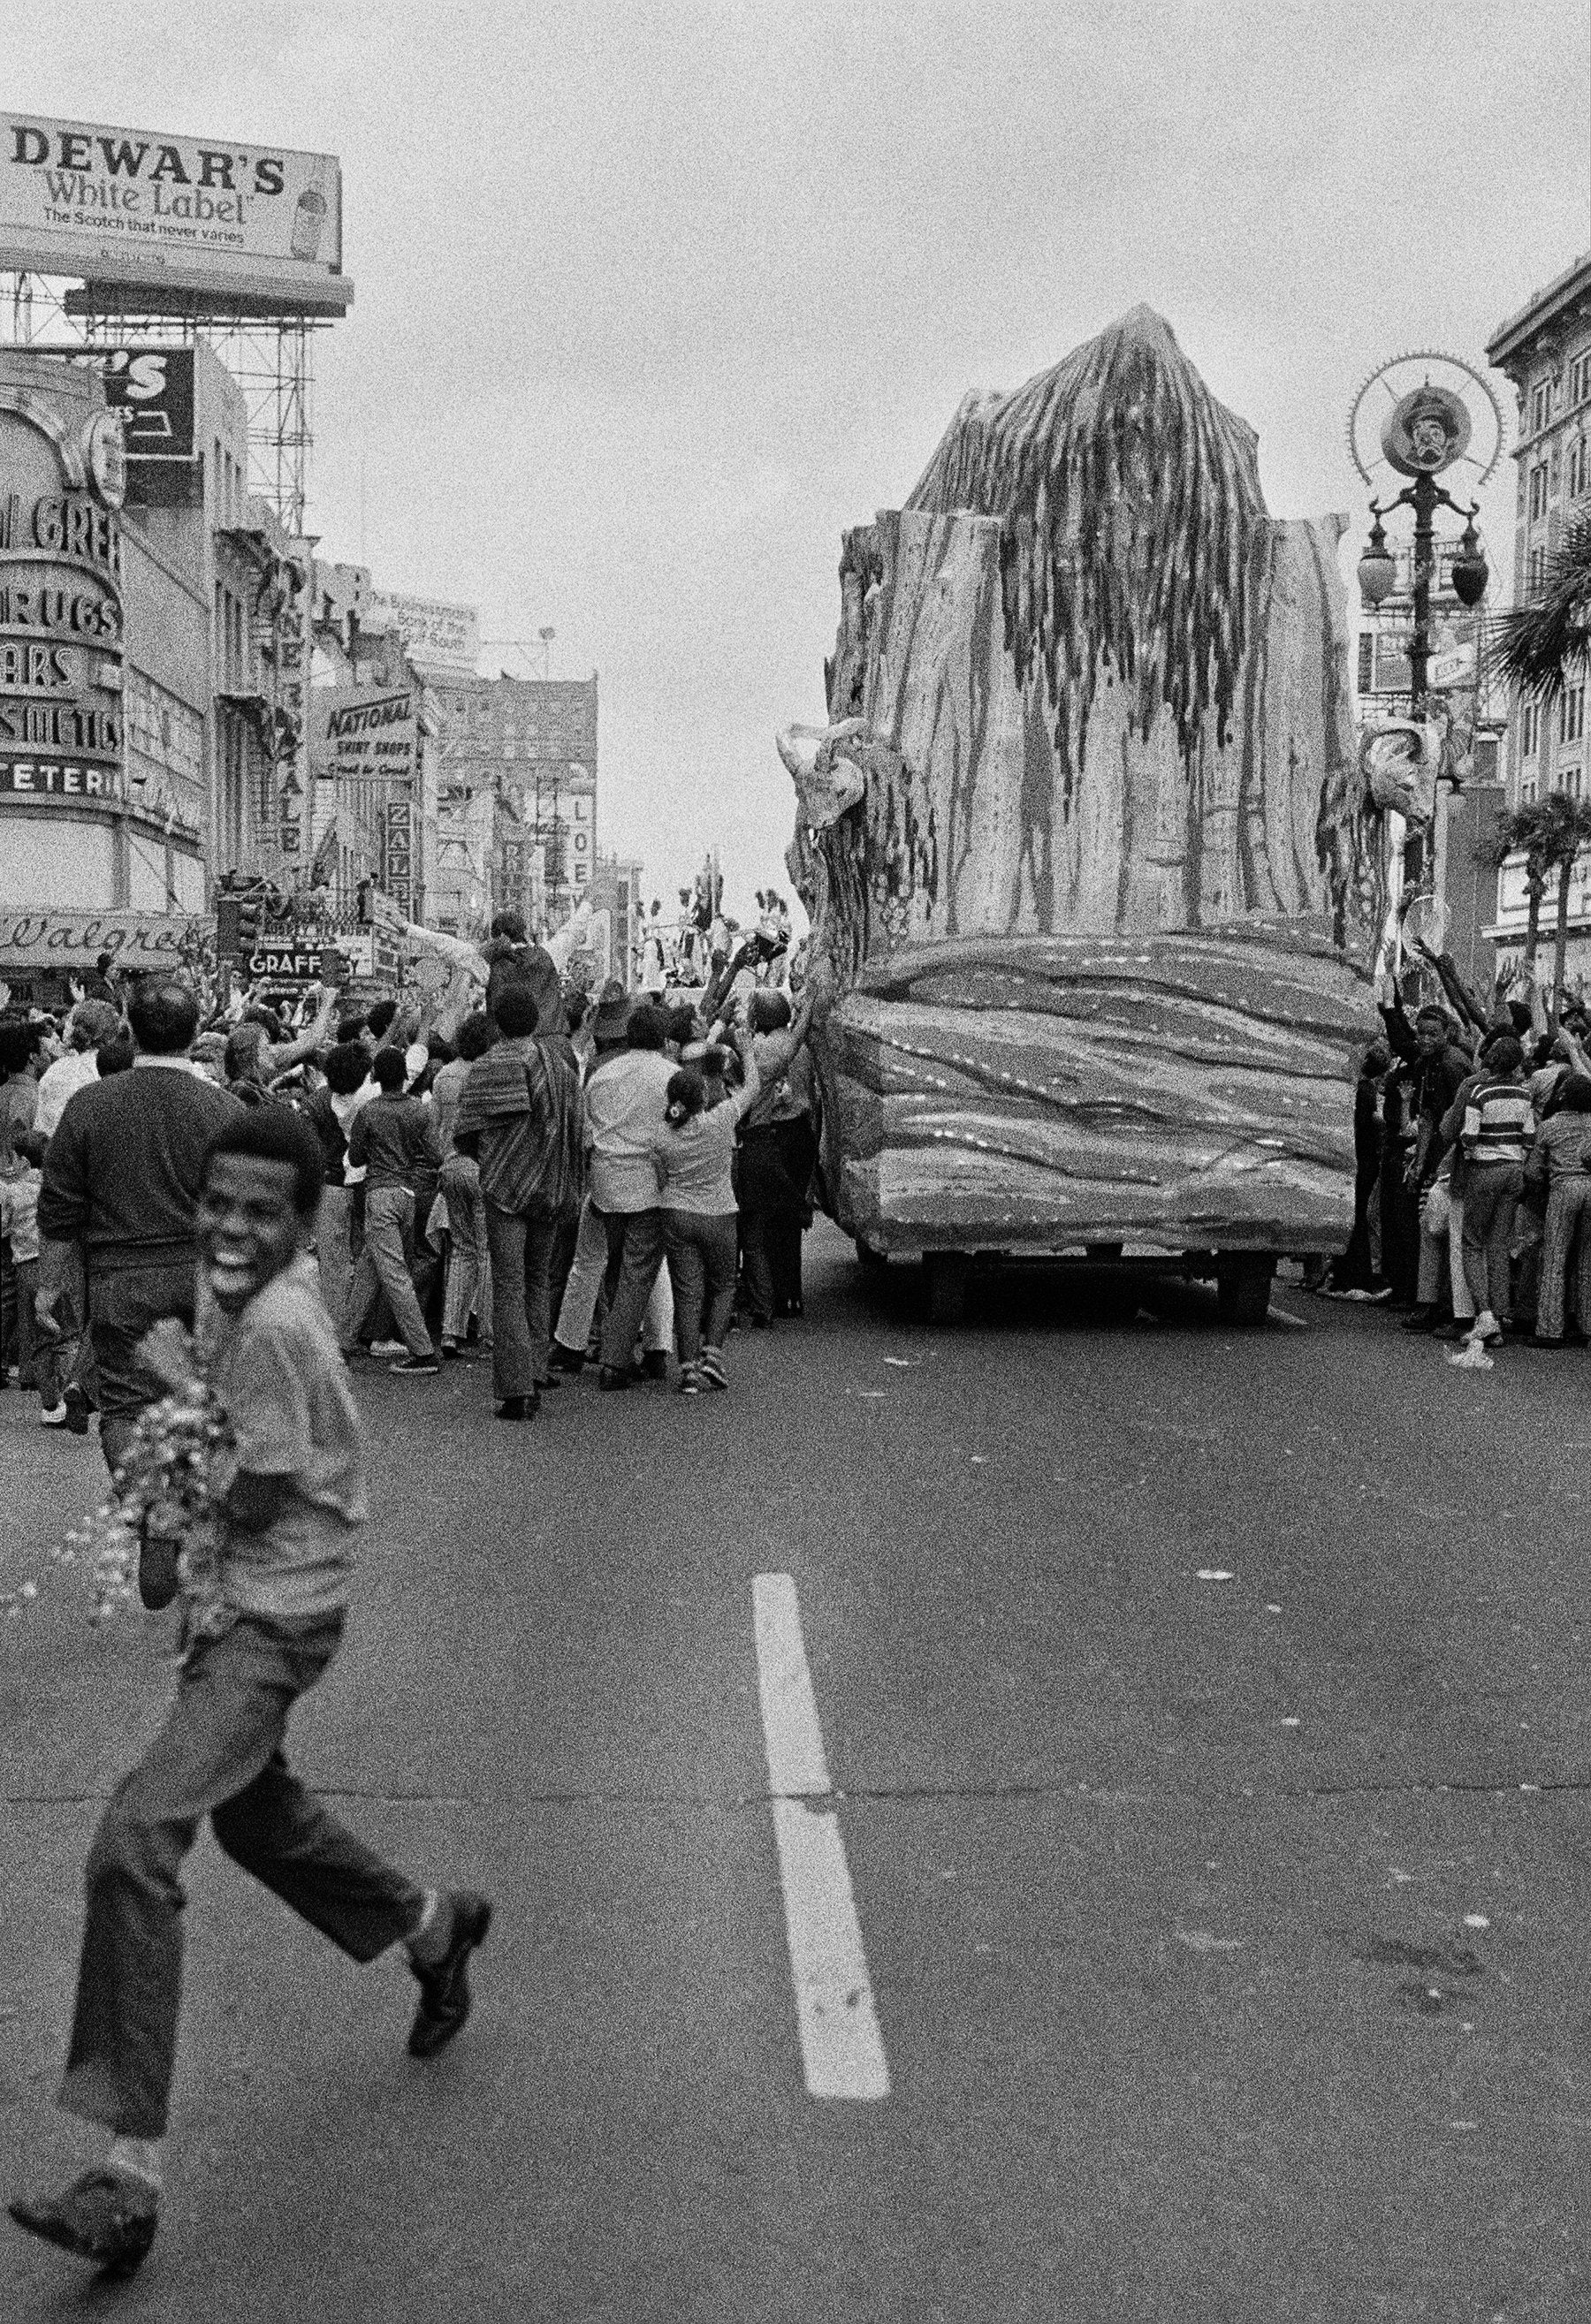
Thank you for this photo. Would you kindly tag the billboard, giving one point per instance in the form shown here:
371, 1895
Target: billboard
435, 637
143, 208
363, 733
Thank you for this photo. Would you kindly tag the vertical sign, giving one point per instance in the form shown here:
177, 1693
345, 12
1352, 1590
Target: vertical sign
581, 806
295, 804
397, 870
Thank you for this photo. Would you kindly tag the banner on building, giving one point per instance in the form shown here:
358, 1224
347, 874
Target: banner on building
443, 639
143, 208
364, 733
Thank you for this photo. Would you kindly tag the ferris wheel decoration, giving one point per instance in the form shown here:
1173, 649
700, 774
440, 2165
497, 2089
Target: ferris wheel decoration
1425, 414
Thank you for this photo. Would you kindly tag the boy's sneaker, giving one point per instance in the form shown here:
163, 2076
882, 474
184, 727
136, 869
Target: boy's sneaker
565, 1359
655, 1363
389, 1348
77, 1411
689, 1380
417, 1367
712, 1369
613, 1378
52, 1416
450, 1351
105, 2217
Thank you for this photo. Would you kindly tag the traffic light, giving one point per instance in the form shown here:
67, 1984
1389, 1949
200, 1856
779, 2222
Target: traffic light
238, 924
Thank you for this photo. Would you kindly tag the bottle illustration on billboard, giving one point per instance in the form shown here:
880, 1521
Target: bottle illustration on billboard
309, 220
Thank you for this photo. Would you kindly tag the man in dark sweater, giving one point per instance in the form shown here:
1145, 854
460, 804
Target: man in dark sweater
393, 1140
122, 1179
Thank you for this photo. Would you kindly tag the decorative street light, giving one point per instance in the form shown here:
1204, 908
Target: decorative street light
1469, 571
1416, 418
1426, 431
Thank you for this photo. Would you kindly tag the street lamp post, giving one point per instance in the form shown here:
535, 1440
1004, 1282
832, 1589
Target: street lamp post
1378, 569
1377, 574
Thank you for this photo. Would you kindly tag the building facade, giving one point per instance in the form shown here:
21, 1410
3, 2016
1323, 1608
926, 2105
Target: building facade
517, 799
1544, 352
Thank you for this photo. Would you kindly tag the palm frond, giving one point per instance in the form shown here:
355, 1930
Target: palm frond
1540, 647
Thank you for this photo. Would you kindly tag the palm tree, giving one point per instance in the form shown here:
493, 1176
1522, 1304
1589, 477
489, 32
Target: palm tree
1542, 647
1572, 834
1549, 834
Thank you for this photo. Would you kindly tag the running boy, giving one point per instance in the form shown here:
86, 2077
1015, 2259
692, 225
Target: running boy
294, 1498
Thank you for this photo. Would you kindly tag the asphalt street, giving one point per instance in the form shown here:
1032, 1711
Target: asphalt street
1196, 1824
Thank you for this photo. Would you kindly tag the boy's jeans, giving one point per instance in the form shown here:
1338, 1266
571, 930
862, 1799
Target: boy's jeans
219, 1753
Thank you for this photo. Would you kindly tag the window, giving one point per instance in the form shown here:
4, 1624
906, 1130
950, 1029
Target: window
1580, 378
1539, 491
1568, 781
1536, 573
1366, 654
1571, 715
1580, 466
1540, 407
1527, 791
1530, 730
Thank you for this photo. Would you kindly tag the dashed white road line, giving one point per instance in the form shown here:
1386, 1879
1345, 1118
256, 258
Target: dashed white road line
842, 2048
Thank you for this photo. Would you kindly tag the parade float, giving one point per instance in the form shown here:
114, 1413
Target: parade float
1095, 883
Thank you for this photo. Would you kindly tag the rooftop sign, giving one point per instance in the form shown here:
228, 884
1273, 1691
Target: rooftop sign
149, 211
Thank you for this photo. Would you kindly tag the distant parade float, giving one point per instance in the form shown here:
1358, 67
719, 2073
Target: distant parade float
1094, 878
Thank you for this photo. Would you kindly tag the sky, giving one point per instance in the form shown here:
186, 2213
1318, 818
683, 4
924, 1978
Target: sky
653, 300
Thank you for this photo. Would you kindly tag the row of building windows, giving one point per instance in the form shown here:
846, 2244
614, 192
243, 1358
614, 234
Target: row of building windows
1571, 722
1568, 779
1577, 392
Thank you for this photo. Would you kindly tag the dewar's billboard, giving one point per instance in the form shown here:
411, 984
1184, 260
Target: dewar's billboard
142, 207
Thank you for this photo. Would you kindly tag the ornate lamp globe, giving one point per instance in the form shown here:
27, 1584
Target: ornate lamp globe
1377, 568
1471, 572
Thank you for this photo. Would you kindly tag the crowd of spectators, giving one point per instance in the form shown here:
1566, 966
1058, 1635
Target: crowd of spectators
557, 1179
1472, 1133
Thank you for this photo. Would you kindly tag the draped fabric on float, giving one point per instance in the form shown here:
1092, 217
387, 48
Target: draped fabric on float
1085, 687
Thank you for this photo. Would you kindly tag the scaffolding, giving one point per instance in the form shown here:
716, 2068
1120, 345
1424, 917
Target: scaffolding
267, 355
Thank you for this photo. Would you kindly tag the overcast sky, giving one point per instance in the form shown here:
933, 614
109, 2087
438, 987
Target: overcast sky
652, 300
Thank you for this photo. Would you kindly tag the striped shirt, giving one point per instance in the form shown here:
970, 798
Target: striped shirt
1499, 1123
